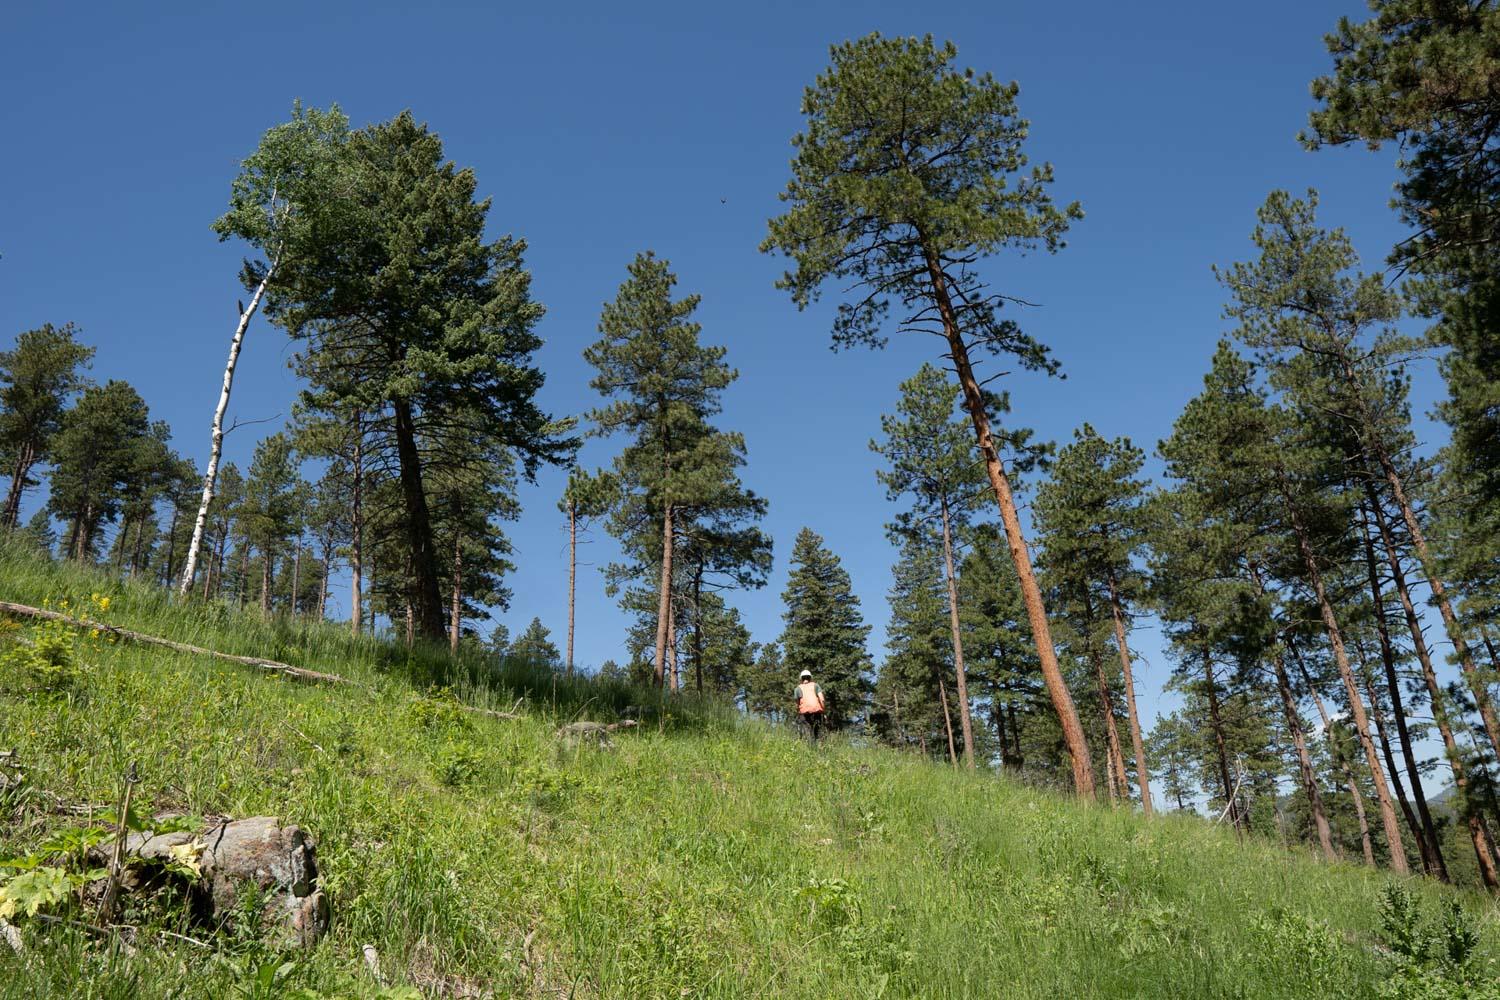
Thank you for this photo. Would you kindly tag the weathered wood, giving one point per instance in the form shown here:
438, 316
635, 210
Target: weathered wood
298, 673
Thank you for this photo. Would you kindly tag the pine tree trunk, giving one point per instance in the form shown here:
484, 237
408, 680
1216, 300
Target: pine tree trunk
997, 715
1115, 758
673, 673
1304, 760
698, 623
244, 583
122, 543
296, 578
664, 597
171, 545
1339, 758
947, 720
965, 721
1137, 744
1445, 607
357, 535
573, 576
1397, 785
25, 458
265, 584
425, 595
323, 586
1299, 739
1015, 735
135, 552
456, 615
1346, 673
1111, 732
216, 439
1031, 594
1427, 838
1221, 750
1478, 832
87, 525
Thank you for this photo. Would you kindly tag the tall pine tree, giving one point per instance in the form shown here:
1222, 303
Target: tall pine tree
909, 173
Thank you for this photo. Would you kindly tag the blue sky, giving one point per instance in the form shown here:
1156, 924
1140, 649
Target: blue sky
604, 129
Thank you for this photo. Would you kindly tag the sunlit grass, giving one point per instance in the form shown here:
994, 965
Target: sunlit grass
702, 856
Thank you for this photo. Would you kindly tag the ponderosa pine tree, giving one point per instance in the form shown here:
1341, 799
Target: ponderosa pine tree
38, 379
329, 524
340, 434
181, 497
1261, 451
909, 172
662, 385
586, 498
1420, 73
223, 518
94, 458
279, 207
825, 632
407, 314
911, 705
1174, 751
471, 489
931, 458
721, 549
152, 464
1211, 539
268, 513
1091, 525
1323, 333
1000, 652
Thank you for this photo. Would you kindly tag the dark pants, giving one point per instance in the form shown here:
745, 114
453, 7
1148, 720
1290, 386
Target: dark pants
814, 723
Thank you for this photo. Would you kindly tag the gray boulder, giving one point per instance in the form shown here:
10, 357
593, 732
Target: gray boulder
258, 856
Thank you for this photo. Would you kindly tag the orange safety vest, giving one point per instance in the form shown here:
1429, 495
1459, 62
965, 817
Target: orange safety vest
809, 698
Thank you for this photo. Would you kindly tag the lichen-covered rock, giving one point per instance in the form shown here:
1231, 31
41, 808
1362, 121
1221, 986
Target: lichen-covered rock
280, 862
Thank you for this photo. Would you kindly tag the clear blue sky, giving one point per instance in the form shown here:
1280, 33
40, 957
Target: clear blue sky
604, 129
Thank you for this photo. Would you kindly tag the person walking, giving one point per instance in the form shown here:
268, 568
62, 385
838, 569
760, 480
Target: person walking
810, 705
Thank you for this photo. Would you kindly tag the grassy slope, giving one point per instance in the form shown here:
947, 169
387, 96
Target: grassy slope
703, 857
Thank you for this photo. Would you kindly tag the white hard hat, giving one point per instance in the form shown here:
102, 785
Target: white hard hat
807, 674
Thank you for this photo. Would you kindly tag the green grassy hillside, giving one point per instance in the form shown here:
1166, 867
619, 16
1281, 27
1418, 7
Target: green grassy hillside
703, 856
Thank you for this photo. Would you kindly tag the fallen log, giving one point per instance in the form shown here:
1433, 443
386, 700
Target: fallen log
275, 666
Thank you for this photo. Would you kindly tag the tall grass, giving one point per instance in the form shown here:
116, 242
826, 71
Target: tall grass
701, 856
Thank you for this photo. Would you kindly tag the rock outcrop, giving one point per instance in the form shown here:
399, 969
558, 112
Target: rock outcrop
255, 858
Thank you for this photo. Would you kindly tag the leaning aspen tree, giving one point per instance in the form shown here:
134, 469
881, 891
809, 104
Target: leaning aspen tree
272, 207
910, 173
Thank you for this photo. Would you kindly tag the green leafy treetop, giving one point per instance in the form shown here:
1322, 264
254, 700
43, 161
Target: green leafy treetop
94, 459
825, 633
909, 174
38, 378
405, 310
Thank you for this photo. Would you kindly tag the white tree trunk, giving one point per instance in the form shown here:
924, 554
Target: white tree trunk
216, 448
